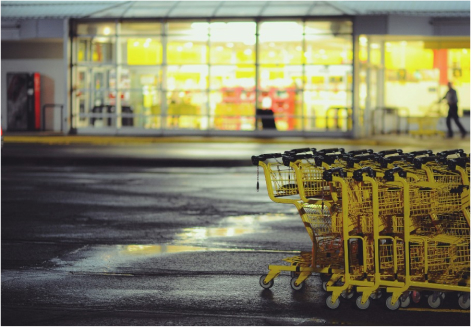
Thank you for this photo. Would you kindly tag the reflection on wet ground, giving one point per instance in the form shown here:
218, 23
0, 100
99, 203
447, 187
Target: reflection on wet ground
113, 258
231, 226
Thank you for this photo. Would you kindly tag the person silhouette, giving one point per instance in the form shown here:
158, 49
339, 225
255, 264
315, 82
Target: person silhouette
452, 100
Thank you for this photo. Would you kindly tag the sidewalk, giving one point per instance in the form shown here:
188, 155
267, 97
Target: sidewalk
394, 140
184, 151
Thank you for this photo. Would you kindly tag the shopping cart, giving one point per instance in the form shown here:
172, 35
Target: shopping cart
282, 188
379, 222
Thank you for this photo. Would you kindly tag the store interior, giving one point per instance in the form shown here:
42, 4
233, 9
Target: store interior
226, 75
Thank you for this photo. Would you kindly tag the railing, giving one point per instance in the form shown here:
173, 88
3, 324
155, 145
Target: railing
43, 114
395, 115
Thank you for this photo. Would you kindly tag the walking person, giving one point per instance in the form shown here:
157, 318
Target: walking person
452, 100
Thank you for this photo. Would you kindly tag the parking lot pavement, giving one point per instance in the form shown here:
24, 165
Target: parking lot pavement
125, 245
188, 151
99, 231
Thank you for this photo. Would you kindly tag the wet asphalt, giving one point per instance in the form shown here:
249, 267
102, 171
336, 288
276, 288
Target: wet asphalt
171, 244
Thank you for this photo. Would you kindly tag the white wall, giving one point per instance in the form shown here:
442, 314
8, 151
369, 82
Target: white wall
52, 85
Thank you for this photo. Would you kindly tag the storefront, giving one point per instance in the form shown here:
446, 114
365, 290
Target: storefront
154, 77
408, 75
284, 68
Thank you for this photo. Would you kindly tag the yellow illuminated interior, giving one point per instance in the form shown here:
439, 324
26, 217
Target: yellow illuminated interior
304, 72
144, 51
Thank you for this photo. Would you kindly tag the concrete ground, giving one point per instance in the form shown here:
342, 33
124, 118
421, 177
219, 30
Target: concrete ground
165, 231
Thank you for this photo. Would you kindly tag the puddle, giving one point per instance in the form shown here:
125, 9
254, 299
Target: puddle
110, 258
231, 226
150, 250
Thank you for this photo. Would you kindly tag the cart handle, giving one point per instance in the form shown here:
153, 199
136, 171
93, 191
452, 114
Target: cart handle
301, 150
263, 157
450, 152
328, 158
357, 152
389, 174
330, 150
358, 174
385, 161
420, 153
418, 162
452, 163
289, 157
353, 160
327, 174
388, 152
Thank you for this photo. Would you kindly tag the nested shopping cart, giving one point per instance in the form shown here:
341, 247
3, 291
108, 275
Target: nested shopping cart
326, 256
373, 223
282, 188
407, 262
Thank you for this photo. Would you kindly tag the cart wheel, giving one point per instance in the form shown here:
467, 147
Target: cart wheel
415, 296
389, 304
347, 295
325, 277
434, 304
362, 306
376, 295
294, 286
463, 301
405, 303
294, 274
324, 286
331, 305
266, 285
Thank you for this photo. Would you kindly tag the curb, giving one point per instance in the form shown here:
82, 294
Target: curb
121, 161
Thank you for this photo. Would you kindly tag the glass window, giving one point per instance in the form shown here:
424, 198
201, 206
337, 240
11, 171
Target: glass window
96, 50
139, 89
141, 28
327, 88
138, 77
281, 76
185, 50
232, 42
285, 104
141, 108
103, 84
186, 110
81, 108
229, 76
375, 53
304, 69
328, 50
187, 77
194, 30
408, 55
281, 42
232, 109
141, 50
103, 29
363, 48
333, 27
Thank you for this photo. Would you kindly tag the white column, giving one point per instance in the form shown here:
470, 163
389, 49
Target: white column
66, 122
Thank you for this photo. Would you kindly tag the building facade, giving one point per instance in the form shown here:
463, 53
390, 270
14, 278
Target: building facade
337, 72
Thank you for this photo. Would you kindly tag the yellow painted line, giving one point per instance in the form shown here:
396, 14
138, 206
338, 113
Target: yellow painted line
435, 310
148, 140
107, 140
